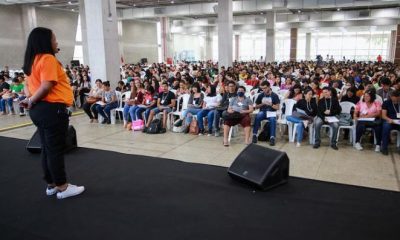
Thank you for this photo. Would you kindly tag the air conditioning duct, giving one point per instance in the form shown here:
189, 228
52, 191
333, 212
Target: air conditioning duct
364, 13
159, 11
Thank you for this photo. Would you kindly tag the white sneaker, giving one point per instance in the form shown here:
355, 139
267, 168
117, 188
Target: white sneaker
298, 144
377, 148
51, 191
72, 190
358, 147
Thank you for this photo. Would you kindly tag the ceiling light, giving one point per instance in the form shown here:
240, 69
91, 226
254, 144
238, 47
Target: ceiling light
338, 9
172, 2
73, 10
299, 11
70, 3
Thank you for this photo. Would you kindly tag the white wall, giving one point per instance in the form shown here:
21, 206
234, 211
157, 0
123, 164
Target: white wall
12, 42
63, 24
139, 40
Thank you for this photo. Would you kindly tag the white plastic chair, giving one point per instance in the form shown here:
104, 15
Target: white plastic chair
179, 113
275, 89
113, 111
289, 103
120, 108
346, 108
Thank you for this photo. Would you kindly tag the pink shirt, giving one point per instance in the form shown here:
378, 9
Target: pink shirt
363, 109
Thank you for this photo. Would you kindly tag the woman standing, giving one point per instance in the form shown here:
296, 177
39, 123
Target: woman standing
49, 95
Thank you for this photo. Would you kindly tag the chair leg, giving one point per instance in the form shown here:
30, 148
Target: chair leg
230, 134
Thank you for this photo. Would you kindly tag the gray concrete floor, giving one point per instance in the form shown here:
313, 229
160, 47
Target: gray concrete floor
348, 166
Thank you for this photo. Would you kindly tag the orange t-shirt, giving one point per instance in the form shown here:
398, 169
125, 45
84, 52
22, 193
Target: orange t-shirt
47, 68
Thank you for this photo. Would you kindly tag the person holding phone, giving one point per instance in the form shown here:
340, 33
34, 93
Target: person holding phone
48, 96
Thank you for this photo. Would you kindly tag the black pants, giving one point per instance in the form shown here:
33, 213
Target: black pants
89, 108
363, 125
52, 121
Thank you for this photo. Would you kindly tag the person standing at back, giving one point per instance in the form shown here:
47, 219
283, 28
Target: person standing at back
48, 96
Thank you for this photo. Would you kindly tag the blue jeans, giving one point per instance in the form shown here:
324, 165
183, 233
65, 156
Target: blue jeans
386, 128
130, 110
318, 122
126, 112
146, 111
105, 111
272, 123
299, 127
188, 115
210, 119
9, 102
217, 117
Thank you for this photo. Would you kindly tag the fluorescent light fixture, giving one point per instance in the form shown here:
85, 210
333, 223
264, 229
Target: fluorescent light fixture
70, 3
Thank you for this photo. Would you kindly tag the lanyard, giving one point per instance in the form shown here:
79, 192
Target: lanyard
330, 104
398, 106
309, 108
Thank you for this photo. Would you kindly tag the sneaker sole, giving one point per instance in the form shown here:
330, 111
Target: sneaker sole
72, 195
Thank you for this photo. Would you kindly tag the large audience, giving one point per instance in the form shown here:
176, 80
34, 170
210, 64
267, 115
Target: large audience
311, 98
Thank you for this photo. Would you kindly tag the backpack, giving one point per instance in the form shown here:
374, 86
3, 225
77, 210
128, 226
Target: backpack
345, 119
264, 134
178, 126
154, 127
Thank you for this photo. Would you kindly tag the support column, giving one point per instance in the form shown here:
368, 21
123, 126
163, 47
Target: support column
270, 54
308, 46
29, 20
166, 39
102, 40
397, 49
392, 46
82, 15
293, 44
225, 33
237, 42
209, 55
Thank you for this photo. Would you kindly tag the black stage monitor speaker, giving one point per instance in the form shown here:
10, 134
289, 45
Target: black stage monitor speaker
261, 167
34, 144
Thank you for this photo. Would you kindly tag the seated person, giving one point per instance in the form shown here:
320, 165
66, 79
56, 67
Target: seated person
131, 103
16, 91
165, 103
108, 102
83, 88
328, 106
148, 103
294, 93
391, 118
223, 105
267, 101
368, 108
253, 81
210, 102
304, 112
238, 112
385, 90
121, 87
90, 102
350, 95
4, 94
194, 106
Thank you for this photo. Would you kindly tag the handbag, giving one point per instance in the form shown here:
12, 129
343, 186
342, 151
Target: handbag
137, 125
194, 127
91, 100
231, 116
